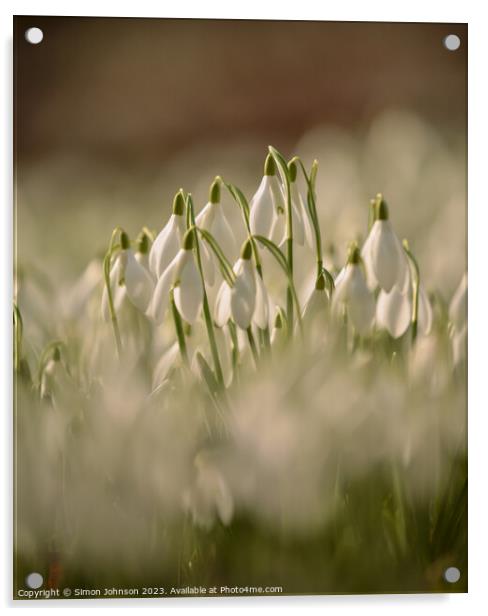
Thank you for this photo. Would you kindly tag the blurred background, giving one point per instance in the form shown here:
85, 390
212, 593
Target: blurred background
112, 116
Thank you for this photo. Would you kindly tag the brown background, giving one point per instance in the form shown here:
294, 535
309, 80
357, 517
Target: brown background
127, 89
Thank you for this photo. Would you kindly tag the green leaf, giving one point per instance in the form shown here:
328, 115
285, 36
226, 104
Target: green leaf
225, 266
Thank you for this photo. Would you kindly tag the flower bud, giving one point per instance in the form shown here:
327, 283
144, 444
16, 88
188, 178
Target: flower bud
143, 243
214, 194
246, 250
124, 241
269, 165
179, 203
189, 239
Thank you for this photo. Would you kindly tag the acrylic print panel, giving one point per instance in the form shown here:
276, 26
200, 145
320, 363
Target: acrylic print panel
240, 308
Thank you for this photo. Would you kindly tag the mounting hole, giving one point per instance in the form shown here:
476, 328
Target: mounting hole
34, 580
452, 575
34, 36
452, 42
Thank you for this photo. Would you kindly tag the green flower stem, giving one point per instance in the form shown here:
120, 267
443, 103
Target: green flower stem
415, 289
235, 347
285, 173
206, 308
106, 272
252, 345
312, 208
180, 334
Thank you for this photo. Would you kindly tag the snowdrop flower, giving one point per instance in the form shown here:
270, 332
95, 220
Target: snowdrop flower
183, 276
317, 305
352, 292
457, 315
138, 282
212, 218
168, 241
247, 301
302, 224
209, 496
383, 255
55, 381
117, 288
394, 311
267, 204
128, 278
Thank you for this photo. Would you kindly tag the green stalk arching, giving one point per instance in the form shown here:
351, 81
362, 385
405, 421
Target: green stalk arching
415, 288
312, 208
285, 173
206, 308
180, 334
252, 345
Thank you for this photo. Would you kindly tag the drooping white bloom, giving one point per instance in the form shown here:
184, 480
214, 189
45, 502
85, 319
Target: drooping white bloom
188, 291
209, 496
383, 256
305, 229
394, 311
317, 301
212, 218
268, 202
239, 302
352, 292
182, 274
128, 278
139, 284
168, 241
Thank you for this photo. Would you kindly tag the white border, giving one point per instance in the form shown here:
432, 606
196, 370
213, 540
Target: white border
372, 10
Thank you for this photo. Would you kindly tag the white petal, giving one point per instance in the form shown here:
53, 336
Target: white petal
222, 305
205, 218
386, 259
278, 229
224, 235
159, 304
308, 232
459, 304
166, 245
261, 310
138, 283
188, 293
425, 313
368, 258
394, 311
277, 195
262, 209
359, 300
243, 295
